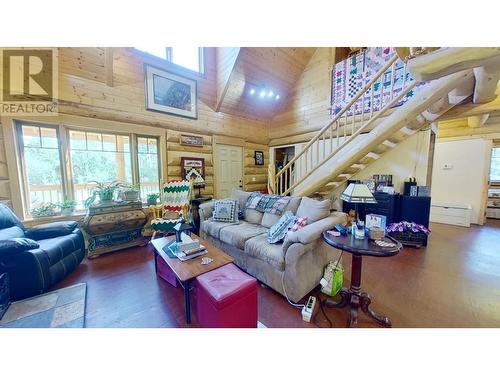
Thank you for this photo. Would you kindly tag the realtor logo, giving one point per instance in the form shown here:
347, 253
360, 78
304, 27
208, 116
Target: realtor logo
28, 81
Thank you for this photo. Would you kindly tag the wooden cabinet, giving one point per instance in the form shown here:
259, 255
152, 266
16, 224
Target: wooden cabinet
114, 226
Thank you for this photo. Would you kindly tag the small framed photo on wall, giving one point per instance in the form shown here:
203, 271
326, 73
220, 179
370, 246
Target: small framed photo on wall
259, 158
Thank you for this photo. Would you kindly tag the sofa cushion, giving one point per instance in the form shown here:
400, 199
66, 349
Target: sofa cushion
258, 247
253, 216
293, 205
212, 228
58, 248
268, 220
238, 235
313, 210
241, 196
226, 210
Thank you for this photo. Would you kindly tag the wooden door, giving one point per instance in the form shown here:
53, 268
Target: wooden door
229, 173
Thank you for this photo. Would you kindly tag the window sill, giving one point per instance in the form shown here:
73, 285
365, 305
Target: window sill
32, 221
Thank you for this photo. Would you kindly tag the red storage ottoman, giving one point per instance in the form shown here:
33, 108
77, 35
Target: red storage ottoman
226, 298
165, 272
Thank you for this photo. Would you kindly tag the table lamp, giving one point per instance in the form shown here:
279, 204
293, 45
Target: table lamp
357, 193
181, 227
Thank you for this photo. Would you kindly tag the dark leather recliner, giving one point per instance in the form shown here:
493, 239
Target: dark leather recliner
36, 258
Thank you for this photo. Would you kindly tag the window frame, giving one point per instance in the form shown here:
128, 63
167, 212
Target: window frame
136, 156
168, 59
26, 200
495, 182
68, 129
64, 148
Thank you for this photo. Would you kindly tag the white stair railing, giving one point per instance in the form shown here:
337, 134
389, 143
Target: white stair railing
339, 132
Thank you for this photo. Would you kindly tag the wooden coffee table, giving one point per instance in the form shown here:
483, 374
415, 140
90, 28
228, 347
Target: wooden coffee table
188, 270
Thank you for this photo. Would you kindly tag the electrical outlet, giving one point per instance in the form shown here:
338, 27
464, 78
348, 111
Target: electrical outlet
254, 179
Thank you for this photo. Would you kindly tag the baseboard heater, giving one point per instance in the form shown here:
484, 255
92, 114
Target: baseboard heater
451, 214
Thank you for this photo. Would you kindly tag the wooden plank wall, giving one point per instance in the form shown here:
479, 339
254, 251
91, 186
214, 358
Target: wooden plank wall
82, 92
310, 108
175, 151
255, 175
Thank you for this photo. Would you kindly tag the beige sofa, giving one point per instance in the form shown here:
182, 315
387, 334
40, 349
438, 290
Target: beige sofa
297, 263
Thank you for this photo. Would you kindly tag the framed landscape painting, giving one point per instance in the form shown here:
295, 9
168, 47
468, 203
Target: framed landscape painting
170, 93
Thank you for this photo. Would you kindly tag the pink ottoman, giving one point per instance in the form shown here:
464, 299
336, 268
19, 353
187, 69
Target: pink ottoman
226, 298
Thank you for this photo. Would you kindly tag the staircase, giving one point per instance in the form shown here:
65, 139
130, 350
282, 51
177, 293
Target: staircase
351, 140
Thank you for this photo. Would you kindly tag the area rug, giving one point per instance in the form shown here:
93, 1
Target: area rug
62, 308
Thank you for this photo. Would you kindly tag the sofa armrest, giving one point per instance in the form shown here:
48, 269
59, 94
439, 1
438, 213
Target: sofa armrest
313, 231
51, 230
205, 210
15, 246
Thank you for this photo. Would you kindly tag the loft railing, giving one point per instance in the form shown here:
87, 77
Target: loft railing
344, 127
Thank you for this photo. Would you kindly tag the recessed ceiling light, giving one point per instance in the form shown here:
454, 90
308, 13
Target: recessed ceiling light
271, 94
262, 93
277, 97
252, 91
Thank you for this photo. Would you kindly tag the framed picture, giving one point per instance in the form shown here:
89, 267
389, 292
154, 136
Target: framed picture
259, 158
191, 140
170, 93
193, 169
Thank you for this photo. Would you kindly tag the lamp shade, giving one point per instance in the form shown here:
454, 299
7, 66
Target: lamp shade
358, 193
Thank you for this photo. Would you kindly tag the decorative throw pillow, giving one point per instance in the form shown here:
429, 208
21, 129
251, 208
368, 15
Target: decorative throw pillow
300, 222
226, 210
279, 230
253, 200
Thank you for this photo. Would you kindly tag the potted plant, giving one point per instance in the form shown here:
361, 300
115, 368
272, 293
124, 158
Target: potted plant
104, 190
408, 233
152, 199
131, 192
46, 209
67, 206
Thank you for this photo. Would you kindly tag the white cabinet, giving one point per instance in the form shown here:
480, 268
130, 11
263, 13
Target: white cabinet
451, 214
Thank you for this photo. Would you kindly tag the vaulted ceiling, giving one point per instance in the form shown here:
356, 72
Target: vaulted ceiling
241, 69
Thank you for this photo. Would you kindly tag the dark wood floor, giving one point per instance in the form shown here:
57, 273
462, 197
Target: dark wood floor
454, 282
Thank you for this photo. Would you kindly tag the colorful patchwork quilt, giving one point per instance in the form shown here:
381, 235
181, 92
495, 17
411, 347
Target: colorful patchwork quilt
351, 75
273, 204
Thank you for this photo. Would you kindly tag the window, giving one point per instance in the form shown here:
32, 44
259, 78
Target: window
495, 165
188, 57
149, 167
92, 156
98, 157
39, 147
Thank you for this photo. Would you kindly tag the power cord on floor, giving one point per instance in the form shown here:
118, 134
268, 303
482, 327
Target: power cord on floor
297, 305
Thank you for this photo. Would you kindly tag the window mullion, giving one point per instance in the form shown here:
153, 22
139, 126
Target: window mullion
135, 158
67, 173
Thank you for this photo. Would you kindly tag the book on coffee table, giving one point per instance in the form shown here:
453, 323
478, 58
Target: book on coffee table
187, 254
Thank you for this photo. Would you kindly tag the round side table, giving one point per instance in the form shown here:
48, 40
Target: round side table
354, 297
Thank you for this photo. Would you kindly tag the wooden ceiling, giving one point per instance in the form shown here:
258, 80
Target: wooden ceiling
276, 69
